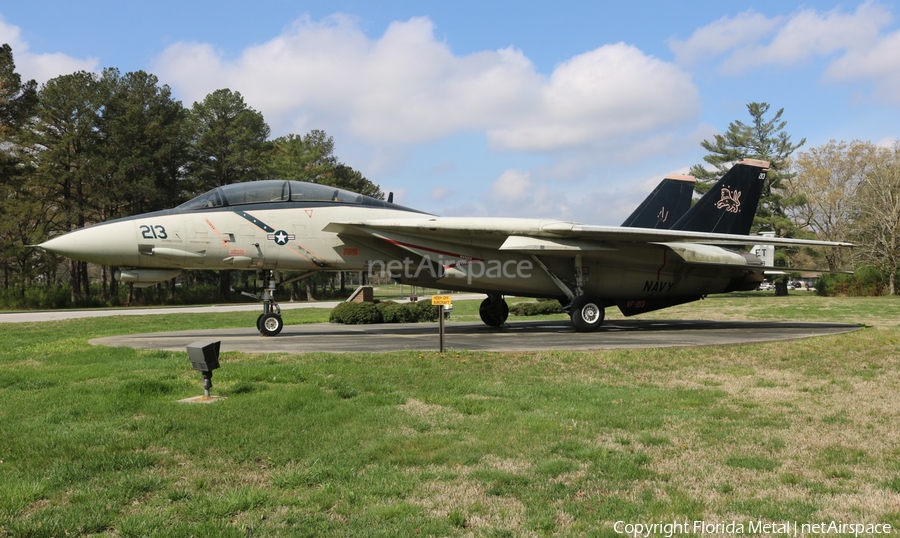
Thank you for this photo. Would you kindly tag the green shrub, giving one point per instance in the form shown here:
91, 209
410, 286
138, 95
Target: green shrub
423, 311
383, 312
355, 314
392, 312
865, 281
539, 308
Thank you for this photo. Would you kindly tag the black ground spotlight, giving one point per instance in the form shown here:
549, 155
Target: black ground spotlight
204, 358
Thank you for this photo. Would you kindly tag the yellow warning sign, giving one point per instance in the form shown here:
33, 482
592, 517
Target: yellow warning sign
441, 300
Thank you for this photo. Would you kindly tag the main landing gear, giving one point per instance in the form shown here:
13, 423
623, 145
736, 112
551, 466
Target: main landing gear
494, 311
587, 313
269, 322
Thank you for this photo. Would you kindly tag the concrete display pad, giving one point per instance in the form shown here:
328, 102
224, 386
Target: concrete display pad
515, 336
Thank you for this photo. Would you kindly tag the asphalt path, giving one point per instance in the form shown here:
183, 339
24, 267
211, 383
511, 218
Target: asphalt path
57, 315
38, 316
514, 336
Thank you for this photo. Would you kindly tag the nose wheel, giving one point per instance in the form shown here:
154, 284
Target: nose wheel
269, 323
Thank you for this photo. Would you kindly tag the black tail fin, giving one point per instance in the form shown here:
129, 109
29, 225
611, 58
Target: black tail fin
668, 202
730, 205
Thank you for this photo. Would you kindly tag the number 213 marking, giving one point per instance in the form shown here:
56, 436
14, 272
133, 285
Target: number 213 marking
153, 232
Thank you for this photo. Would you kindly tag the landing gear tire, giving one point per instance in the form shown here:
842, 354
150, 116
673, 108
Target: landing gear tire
259, 322
493, 312
587, 314
270, 324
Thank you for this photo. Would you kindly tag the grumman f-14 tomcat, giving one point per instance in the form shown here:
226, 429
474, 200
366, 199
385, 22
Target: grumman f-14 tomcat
666, 253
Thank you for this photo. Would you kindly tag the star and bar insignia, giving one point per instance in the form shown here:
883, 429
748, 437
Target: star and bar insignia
281, 237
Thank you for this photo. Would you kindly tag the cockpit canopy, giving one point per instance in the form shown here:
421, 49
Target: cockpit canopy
276, 191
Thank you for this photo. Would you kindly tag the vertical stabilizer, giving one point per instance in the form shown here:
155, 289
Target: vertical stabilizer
766, 253
668, 202
730, 205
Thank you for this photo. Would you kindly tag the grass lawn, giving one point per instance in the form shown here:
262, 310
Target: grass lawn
94, 442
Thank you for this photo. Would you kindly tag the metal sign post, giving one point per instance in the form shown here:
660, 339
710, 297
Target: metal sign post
440, 301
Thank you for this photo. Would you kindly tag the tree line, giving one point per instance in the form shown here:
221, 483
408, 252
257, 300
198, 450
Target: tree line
86, 147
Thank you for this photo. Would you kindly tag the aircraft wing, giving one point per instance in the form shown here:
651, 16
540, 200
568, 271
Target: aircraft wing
543, 234
642, 235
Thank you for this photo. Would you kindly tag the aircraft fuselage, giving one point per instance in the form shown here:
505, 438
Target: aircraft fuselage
297, 239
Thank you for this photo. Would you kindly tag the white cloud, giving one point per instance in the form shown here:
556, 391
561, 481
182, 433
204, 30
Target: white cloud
599, 97
722, 36
751, 40
809, 34
41, 67
853, 45
512, 186
516, 193
879, 64
408, 87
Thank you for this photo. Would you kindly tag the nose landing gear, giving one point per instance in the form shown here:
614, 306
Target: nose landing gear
269, 322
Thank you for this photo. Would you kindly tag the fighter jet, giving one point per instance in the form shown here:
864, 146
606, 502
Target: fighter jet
675, 256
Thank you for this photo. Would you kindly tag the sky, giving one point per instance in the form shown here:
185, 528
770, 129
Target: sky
572, 109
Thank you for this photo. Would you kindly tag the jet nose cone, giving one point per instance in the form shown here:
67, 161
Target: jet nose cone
104, 244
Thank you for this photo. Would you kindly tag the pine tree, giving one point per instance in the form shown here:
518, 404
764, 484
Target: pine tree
229, 142
18, 206
762, 139
311, 158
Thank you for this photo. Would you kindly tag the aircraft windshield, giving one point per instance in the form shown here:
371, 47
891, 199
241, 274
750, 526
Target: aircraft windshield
302, 192
257, 192
206, 200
